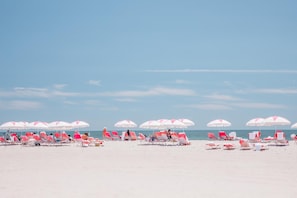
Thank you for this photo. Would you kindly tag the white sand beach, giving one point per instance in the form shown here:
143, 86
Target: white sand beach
128, 169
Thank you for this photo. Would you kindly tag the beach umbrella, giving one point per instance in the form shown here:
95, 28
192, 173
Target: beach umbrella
125, 124
276, 121
13, 125
187, 122
150, 124
37, 125
60, 125
79, 124
294, 126
219, 123
173, 123
256, 122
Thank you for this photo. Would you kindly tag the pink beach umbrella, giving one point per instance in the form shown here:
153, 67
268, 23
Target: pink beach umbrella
219, 123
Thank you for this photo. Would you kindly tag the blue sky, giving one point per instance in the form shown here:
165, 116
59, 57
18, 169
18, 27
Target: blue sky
105, 61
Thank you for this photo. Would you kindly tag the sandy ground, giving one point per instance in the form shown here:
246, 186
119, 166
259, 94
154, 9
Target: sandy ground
133, 169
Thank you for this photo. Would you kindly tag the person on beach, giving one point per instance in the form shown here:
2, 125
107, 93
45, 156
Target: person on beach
127, 137
169, 134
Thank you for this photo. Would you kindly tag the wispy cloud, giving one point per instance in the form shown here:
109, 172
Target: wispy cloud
220, 71
274, 91
125, 100
151, 92
222, 97
209, 106
182, 82
60, 86
94, 82
20, 105
256, 105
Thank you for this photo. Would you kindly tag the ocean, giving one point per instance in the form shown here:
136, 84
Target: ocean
198, 134
192, 134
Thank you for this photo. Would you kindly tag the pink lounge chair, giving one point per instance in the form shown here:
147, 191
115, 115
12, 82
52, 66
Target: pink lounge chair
244, 144
141, 136
183, 139
133, 136
229, 146
212, 146
2, 140
115, 135
223, 136
107, 136
212, 136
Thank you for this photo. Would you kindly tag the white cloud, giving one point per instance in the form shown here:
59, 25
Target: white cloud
20, 105
93, 102
94, 82
151, 92
275, 91
222, 97
182, 82
256, 105
60, 86
125, 100
220, 71
210, 106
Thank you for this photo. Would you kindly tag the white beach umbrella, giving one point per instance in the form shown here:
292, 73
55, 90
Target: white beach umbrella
37, 125
80, 124
13, 125
125, 124
60, 125
150, 124
294, 126
256, 122
172, 123
219, 123
187, 122
276, 121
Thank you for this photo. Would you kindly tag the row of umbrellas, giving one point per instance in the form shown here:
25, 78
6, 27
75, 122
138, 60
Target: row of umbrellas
184, 123
39, 125
157, 124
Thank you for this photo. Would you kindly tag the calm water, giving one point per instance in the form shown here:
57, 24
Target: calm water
200, 134
193, 134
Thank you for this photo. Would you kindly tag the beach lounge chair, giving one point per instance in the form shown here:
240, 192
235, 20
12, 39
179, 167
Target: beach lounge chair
233, 135
229, 146
107, 136
212, 146
294, 138
133, 136
260, 147
212, 136
183, 139
161, 136
174, 137
281, 139
245, 145
223, 135
141, 137
115, 135
254, 137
